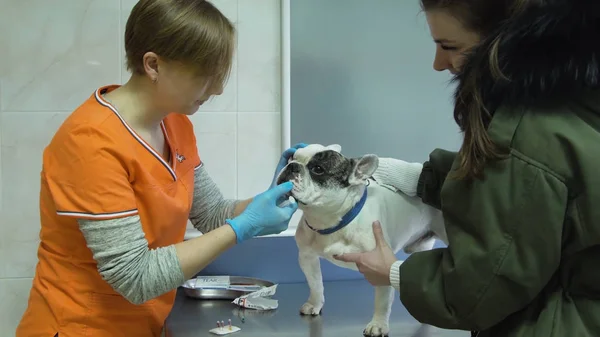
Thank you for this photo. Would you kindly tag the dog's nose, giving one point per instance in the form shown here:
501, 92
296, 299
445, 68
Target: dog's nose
289, 173
294, 167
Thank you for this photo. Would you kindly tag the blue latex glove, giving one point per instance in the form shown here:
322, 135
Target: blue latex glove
263, 216
285, 157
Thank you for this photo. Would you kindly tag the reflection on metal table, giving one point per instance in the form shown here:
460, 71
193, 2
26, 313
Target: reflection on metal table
347, 310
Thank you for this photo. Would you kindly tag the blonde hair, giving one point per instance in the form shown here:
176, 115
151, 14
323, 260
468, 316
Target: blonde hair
193, 33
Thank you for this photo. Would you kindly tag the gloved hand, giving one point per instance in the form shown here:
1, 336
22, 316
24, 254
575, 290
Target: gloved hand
263, 216
400, 174
285, 157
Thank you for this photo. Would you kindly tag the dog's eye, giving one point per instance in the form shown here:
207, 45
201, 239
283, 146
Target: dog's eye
318, 170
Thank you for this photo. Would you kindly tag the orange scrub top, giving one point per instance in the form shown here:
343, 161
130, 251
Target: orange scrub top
97, 167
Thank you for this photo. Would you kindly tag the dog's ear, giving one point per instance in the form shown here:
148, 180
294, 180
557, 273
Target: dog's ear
335, 147
363, 168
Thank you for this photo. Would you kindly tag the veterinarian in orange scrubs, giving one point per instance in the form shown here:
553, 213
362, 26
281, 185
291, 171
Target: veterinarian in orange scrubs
520, 199
122, 176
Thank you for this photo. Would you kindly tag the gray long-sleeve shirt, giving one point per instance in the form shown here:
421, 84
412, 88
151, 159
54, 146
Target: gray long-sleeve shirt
127, 263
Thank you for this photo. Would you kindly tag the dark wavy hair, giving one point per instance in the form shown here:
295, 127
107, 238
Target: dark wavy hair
484, 17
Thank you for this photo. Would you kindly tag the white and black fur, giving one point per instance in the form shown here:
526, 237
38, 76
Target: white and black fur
327, 185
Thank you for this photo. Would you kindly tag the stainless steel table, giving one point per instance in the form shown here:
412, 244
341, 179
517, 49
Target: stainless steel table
341, 316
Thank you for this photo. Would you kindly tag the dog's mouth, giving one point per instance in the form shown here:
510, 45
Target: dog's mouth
291, 194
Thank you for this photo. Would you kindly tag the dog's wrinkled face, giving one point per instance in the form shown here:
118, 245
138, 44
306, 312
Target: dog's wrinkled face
324, 178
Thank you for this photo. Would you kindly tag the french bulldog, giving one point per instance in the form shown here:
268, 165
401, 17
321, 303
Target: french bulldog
339, 201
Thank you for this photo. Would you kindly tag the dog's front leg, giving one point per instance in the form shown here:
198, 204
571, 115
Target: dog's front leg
379, 325
311, 267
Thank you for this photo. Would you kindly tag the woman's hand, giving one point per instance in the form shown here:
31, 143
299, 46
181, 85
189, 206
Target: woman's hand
283, 161
374, 265
263, 216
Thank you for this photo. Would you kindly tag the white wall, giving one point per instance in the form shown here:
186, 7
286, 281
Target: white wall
56, 53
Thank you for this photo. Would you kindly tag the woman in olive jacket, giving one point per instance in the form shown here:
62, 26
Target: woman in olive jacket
521, 199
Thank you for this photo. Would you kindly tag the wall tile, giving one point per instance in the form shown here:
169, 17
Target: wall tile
14, 294
258, 151
1, 203
126, 7
59, 52
1, 214
216, 139
259, 56
21, 154
226, 101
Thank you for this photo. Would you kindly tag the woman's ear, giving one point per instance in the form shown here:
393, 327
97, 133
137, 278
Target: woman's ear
150, 62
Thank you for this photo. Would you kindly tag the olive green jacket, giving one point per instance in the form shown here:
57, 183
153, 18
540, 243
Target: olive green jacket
524, 242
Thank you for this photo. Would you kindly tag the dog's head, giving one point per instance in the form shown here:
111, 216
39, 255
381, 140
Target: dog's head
325, 179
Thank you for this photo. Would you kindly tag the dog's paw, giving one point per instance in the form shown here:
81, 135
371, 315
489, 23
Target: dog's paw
376, 329
310, 309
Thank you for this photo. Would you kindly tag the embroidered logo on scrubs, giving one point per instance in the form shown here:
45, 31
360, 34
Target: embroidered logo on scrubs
179, 157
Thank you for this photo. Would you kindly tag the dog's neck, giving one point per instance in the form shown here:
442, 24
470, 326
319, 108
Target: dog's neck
322, 218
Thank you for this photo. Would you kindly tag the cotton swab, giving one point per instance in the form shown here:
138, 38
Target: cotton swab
220, 329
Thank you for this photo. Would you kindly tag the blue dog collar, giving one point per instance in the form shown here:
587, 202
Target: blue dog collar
346, 219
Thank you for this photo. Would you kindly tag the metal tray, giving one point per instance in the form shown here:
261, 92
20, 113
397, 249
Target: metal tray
225, 294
